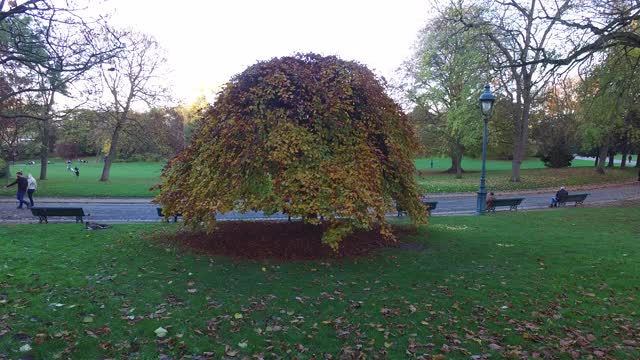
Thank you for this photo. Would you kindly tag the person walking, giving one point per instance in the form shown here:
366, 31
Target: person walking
22, 188
32, 185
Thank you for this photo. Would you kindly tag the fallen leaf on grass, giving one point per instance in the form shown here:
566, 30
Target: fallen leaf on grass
161, 332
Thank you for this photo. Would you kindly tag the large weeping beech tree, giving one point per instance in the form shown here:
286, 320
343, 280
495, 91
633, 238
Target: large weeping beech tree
314, 137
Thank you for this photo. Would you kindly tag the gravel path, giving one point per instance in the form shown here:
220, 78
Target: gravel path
142, 210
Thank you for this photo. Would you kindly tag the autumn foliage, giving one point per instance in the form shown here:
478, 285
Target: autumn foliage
314, 137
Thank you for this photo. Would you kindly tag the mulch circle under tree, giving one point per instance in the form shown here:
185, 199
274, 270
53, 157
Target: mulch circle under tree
280, 240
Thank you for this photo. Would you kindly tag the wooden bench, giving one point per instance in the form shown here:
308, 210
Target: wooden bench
175, 216
430, 205
512, 203
578, 199
44, 212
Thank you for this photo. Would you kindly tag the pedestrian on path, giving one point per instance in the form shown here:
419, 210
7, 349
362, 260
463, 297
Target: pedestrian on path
22, 188
32, 185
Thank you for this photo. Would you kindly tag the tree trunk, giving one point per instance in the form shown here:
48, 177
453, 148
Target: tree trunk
603, 159
638, 160
520, 132
456, 161
623, 163
596, 164
520, 141
612, 155
112, 154
44, 149
44, 146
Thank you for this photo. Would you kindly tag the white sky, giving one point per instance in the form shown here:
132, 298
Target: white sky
207, 42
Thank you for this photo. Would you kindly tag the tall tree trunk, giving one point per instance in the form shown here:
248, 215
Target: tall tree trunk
638, 160
457, 150
596, 162
520, 139
623, 163
612, 155
44, 146
112, 154
44, 149
603, 159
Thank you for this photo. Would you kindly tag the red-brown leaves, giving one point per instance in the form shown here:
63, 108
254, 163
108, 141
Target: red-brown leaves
315, 137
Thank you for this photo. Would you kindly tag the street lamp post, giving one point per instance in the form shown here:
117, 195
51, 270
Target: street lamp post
486, 105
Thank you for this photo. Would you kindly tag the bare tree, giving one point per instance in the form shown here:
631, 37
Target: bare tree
591, 26
520, 31
134, 78
50, 45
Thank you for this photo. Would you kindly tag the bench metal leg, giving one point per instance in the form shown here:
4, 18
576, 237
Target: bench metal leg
79, 218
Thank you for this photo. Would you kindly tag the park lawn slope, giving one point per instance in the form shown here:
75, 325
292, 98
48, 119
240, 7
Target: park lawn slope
126, 180
130, 180
530, 179
560, 283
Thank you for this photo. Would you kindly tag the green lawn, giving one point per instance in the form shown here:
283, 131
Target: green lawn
135, 179
471, 164
126, 180
530, 179
553, 284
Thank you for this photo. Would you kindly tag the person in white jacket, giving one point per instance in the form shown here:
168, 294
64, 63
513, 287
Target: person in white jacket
32, 185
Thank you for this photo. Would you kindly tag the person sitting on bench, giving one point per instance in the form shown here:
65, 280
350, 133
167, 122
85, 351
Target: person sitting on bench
560, 197
490, 199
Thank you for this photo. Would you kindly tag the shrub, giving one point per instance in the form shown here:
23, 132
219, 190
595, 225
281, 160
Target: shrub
314, 137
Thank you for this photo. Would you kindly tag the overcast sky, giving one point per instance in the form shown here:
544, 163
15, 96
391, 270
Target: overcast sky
209, 41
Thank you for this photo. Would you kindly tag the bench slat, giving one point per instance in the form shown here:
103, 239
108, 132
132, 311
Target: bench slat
175, 216
44, 212
578, 199
430, 205
512, 203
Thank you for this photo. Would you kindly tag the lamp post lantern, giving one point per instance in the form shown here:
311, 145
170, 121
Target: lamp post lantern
486, 105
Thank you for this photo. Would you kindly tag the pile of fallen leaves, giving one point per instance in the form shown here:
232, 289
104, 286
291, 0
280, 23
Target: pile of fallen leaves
280, 240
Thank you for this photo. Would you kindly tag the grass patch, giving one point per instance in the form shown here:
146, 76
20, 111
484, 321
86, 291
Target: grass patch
126, 179
135, 179
471, 164
530, 179
554, 284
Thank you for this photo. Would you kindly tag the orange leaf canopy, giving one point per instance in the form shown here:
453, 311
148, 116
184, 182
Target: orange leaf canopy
314, 137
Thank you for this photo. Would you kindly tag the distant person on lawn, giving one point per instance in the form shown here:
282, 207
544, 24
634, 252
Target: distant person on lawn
32, 185
22, 188
76, 171
490, 200
561, 195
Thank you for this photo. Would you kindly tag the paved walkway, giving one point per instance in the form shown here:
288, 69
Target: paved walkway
142, 210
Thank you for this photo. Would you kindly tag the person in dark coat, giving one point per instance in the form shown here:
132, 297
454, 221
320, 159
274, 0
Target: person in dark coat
490, 200
561, 195
23, 184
